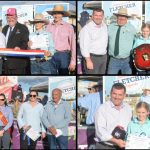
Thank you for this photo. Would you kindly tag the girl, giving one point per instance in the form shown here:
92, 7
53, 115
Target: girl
140, 125
6, 121
143, 39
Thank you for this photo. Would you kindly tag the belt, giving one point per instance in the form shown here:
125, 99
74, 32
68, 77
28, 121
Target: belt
96, 55
63, 51
119, 58
41, 60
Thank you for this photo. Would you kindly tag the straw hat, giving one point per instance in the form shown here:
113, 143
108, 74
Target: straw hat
146, 87
91, 85
59, 9
39, 18
122, 12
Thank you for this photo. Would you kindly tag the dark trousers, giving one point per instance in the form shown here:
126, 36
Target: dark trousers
5, 139
62, 60
61, 141
99, 64
26, 142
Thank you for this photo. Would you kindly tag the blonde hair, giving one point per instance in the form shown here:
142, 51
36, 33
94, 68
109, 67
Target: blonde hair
142, 104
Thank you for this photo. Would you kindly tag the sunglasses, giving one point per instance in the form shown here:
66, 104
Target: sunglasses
32, 95
2, 99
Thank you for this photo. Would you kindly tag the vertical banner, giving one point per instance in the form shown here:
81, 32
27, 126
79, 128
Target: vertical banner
24, 13
66, 84
147, 12
6, 84
134, 10
43, 8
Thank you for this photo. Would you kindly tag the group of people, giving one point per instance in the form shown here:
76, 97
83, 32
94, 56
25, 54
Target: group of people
114, 121
118, 41
60, 46
51, 121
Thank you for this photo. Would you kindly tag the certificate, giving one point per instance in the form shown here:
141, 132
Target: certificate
137, 142
31, 133
39, 41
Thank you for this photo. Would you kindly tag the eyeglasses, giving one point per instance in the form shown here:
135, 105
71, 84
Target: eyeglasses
32, 95
2, 99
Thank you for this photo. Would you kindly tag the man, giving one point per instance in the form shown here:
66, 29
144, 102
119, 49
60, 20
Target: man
30, 114
91, 102
121, 36
113, 115
17, 38
56, 117
93, 44
145, 97
64, 40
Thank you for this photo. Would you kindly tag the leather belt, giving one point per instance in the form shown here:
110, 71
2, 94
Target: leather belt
120, 58
96, 55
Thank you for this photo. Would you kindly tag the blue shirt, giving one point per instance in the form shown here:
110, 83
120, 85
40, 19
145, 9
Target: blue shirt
50, 43
127, 34
91, 102
140, 40
7, 112
136, 128
59, 116
29, 115
145, 98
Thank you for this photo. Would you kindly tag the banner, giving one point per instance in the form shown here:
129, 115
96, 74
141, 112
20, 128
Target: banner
43, 8
21, 53
66, 84
6, 84
134, 10
24, 13
147, 12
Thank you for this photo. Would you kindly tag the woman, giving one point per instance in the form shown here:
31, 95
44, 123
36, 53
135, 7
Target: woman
6, 120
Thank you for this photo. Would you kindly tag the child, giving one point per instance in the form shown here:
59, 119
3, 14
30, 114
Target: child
140, 125
44, 65
143, 39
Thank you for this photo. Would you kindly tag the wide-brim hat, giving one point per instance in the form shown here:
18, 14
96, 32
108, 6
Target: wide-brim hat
122, 12
91, 85
146, 87
59, 9
39, 18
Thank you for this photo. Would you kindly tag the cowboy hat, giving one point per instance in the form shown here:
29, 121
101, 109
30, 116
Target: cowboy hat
146, 87
91, 85
59, 9
122, 12
39, 18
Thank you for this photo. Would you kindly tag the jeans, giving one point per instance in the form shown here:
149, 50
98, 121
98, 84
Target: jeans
62, 60
61, 141
115, 65
40, 67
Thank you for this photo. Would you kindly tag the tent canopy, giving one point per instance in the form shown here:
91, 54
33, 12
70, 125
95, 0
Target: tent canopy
42, 87
92, 5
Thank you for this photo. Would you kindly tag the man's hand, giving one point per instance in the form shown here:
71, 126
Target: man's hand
25, 127
89, 64
119, 142
29, 44
17, 48
71, 67
52, 130
1, 132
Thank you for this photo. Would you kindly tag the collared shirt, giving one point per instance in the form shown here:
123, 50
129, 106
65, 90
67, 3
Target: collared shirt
7, 112
91, 102
93, 39
145, 98
136, 128
8, 33
107, 117
47, 35
64, 38
58, 117
29, 115
126, 38
139, 41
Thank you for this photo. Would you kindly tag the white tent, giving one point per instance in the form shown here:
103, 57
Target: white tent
92, 5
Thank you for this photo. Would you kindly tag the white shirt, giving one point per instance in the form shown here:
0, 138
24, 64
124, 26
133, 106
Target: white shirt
2, 40
108, 117
93, 39
8, 33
